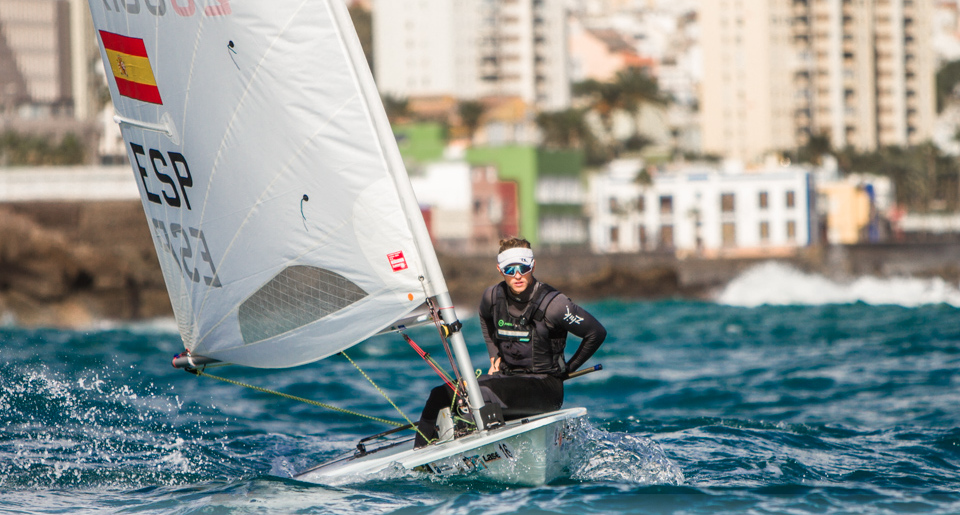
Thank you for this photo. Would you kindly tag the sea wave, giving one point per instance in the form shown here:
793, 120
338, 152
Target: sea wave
774, 283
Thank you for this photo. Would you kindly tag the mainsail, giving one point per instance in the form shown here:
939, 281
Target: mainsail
280, 210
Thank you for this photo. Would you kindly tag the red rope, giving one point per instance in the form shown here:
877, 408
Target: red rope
426, 357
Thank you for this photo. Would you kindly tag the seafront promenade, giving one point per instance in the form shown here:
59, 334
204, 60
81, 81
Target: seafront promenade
67, 183
75, 249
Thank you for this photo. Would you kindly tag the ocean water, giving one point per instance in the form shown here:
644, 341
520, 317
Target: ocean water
788, 394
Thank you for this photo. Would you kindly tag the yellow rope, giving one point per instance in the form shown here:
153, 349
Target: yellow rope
385, 396
295, 398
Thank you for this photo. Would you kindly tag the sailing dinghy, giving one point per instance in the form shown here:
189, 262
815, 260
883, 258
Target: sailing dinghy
283, 219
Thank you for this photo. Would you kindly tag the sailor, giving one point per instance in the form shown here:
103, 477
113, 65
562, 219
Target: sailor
525, 325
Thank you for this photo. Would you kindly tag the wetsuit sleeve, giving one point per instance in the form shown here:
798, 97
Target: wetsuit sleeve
486, 322
564, 314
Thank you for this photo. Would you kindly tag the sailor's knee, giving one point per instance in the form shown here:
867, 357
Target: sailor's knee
439, 392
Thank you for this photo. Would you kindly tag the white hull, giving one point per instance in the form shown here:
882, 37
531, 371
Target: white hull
522, 452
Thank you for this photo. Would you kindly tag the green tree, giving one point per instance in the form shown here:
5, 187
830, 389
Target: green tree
923, 177
948, 76
569, 129
563, 129
628, 92
470, 114
638, 87
816, 147
397, 108
69, 151
604, 99
37, 150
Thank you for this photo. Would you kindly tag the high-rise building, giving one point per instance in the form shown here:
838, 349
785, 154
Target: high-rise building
46, 51
859, 72
472, 49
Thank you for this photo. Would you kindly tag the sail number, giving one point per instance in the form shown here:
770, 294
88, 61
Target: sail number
165, 169
177, 242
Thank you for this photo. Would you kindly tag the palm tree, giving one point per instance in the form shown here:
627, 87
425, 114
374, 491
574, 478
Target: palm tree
563, 129
604, 98
628, 92
470, 114
637, 88
569, 129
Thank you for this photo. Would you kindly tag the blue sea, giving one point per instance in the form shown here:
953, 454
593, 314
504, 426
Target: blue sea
787, 393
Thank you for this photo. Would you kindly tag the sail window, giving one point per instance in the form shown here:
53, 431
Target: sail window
297, 296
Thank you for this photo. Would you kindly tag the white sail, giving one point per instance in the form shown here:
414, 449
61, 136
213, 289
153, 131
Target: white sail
282, 217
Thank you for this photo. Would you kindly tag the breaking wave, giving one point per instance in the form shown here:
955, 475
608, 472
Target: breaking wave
778, 284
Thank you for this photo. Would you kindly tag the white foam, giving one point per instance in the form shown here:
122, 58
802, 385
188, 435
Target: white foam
597, 455
163, 325
774, 283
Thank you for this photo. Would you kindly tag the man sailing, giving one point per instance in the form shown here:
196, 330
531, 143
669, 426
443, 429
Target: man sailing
525, 325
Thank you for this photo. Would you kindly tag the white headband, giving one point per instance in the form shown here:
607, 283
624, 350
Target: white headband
515, 255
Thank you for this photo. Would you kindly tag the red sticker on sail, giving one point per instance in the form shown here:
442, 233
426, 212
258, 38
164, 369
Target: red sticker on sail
397, 261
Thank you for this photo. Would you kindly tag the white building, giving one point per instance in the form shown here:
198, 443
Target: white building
446, 197
701, 210
472, 49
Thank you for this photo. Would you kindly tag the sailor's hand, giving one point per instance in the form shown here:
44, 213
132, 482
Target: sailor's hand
494, 365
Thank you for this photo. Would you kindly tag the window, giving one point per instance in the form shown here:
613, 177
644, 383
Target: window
666, 205
726, 202
791, 199
764, 200
791, 230
643, 237
764, 231
729, 234
614, 236
641, 204
614, 205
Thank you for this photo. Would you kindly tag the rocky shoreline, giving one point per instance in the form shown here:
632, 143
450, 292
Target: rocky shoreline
73, 264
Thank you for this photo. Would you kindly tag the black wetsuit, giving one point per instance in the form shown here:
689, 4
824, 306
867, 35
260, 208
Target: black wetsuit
530, 380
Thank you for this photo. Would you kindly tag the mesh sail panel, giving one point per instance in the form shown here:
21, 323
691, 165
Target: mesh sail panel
294, 298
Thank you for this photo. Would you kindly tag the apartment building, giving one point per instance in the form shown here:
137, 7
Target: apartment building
45, 46
747, 92
473, 49
860, 72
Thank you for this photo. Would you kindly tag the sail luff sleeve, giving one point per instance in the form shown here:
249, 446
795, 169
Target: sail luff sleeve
435, 284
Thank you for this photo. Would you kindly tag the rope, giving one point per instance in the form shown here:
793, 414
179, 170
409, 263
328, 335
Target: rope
438, 322
385, 396
430, 361
200, 373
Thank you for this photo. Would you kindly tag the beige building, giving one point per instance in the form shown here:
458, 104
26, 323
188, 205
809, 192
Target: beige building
599, 54
45, 50
860, 72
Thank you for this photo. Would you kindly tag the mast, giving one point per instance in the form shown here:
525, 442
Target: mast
434, 284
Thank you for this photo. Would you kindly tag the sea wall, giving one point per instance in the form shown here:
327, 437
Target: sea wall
72, 264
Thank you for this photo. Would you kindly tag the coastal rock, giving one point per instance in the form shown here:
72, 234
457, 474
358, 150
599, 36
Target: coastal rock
71, 264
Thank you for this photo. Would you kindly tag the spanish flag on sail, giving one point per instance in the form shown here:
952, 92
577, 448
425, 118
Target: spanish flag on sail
131, 67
